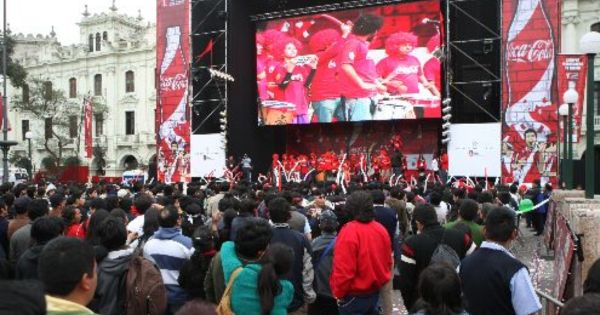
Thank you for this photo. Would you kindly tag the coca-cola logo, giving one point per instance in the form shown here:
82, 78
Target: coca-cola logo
539, 50
172, 3
175, 83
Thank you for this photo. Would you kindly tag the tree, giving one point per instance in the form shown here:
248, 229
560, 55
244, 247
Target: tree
50, 107
14, 70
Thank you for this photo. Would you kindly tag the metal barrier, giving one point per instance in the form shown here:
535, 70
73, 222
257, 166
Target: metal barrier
550, 305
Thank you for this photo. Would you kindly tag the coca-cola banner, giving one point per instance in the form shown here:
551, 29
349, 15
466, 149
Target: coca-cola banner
530, 126
172, 52
572, 71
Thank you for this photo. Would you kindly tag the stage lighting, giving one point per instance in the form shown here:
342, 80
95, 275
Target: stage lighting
223, 113
223, 120
447, 110
446, 101
446, 133
447, 117
445, 140
446, 125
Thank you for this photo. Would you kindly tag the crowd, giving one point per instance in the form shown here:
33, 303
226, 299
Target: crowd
245, 248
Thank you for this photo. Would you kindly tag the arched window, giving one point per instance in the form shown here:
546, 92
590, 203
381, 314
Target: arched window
105, 35
129, 81
72, 88
91, 42
98, 85
98, 41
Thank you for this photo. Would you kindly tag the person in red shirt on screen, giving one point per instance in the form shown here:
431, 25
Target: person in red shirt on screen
402, 72
261, 68
357, 77
432, 69
270, 37
293, 80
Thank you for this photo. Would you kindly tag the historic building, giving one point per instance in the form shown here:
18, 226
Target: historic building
578, 18
114, 63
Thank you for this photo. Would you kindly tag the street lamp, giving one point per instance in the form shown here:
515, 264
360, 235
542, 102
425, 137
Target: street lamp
28, 136
570, 97
563, 111
5, 144
590, 45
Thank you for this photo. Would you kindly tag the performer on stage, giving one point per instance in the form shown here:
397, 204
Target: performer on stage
422, 167
358, 78
294, 80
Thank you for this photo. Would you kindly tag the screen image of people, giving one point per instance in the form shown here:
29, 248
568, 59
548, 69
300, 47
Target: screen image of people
378, 63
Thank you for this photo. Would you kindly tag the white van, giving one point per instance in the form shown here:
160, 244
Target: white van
16, 175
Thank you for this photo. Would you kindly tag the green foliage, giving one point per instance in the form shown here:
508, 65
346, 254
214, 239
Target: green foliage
49, 163
72, 161
15, 71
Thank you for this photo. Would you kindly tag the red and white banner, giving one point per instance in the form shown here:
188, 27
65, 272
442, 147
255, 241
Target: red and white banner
87, 125
172, 52
530, 126
572, 70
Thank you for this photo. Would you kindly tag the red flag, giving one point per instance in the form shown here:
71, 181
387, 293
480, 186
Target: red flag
209, 48
88, 128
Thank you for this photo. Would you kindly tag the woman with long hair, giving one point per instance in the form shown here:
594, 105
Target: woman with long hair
439, 292
72, 217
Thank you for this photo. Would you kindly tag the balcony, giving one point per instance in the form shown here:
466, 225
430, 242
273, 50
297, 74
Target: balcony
127, 140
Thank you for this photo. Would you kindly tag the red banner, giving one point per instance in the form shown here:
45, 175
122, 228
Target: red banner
87, 124
572, 70
172, 53
530, 126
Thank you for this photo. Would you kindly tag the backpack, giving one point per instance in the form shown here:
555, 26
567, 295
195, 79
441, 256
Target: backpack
444, 254
224, 307
146, 293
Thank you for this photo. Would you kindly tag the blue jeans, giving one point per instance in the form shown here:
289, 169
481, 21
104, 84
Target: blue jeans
359, 304
358, 109
327, 109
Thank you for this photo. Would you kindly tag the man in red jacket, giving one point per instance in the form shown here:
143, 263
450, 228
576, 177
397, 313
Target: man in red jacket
356, 284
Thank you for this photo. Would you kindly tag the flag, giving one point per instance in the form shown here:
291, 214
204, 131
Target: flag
87, 122
209, 48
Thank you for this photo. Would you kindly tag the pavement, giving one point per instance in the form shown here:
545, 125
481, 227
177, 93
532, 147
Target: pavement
530, 250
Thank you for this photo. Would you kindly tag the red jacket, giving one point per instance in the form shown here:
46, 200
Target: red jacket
362, 259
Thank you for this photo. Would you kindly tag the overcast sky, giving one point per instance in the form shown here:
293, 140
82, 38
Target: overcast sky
38, 16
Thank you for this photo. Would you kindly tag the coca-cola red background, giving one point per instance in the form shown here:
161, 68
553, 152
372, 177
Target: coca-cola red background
530, 122
172, 53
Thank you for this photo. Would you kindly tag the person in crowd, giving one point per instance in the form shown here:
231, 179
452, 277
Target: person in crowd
494, 281
247, 214
540, 214
91, 235
301, 274
21, 219
21, 239
169, 249
322, 258
23, 297
142, 203
57, 204
72, 217
193, 272
43, 230
109, 295
121, 214
67, 268
441, 207
467, 214
439, 292
150, 227
587, 304
591, 284
397, 201
3, 229
387, 217
197, 306
417, 250
212, 203
357, 77
362, 258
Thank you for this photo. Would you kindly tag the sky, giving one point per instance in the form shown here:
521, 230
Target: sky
38, 16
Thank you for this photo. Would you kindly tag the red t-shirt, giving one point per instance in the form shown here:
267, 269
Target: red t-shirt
294, 92
355, 53
261, 66
444, 162
406, 69
362, 259
325, 84
432, 69
75, 230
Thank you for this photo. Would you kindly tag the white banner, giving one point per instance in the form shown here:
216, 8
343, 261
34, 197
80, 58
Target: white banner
208, 156
474, 150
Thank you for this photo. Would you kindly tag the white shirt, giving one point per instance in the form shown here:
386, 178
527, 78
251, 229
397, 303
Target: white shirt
434, 165
136, 225
442, 212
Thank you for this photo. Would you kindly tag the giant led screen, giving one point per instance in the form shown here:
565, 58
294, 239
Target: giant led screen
375, 63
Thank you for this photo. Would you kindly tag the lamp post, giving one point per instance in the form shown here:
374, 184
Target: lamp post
28, 136
563, 111
570, 97
4, 143
590, 45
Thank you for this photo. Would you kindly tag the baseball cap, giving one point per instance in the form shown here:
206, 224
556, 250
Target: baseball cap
122, 193
328, 217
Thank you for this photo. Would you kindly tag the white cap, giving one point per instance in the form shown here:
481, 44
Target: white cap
122, 193
50, 187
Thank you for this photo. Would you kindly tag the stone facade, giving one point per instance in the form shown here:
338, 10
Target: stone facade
117, 47
578, 16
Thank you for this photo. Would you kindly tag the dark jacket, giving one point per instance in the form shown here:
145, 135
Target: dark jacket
109, 297
193, 273
323, 263
416, 254
27, 266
